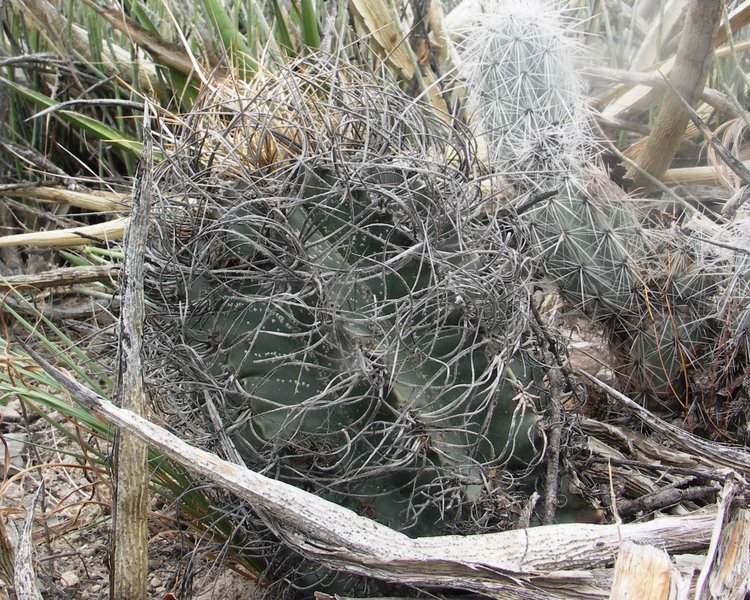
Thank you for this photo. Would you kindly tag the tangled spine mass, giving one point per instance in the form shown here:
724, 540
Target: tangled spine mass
318, 276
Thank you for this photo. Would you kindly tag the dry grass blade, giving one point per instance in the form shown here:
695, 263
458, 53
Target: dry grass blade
48, 19
628, 98
662, 28
735, 165
95, 201
75, 236
712, 175
165, 53
377, 21
380, 23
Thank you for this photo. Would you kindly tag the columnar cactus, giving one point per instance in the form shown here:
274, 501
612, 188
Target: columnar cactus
653, 289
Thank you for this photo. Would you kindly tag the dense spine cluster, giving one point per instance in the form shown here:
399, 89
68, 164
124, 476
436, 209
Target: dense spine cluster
652, 289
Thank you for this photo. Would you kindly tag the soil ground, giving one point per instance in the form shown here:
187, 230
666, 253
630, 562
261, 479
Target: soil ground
72, 523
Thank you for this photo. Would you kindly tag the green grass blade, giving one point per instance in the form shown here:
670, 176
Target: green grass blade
281, 30
309, 25
88, 124
230, 36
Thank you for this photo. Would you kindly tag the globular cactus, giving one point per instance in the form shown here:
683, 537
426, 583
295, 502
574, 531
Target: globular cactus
654, 291
321, 281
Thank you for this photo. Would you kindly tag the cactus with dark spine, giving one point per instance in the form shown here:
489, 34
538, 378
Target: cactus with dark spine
654, 290
319, 271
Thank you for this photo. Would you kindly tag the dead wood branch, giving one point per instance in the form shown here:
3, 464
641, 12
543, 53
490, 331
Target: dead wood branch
130, 540
688, 77
23, 572
708, 453
541, 562
61, 277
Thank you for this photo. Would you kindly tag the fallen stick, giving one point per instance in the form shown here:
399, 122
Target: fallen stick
709, 453
61, 277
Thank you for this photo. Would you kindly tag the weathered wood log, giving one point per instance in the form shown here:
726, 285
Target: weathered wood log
129, 574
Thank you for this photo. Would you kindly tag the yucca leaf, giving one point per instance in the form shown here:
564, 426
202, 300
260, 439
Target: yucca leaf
235, 44
281, 30
309, 25
86, 123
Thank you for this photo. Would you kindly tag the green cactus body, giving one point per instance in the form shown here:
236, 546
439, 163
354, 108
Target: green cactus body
359, 331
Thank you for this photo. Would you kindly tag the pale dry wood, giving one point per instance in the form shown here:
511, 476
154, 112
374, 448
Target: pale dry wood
730, 578
738, 18
627, 97
705, 452
639, 446
438, 35
75, 236
7, 555
63, 276
642, 572
726, 497
130, 524
710, 96
688, 79
543, 562
716, 175
24, 578
735, 48
662, 26
98, 201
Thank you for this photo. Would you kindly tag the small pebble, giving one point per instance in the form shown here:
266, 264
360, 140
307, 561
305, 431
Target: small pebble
69, 579
17, 443
9, 413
